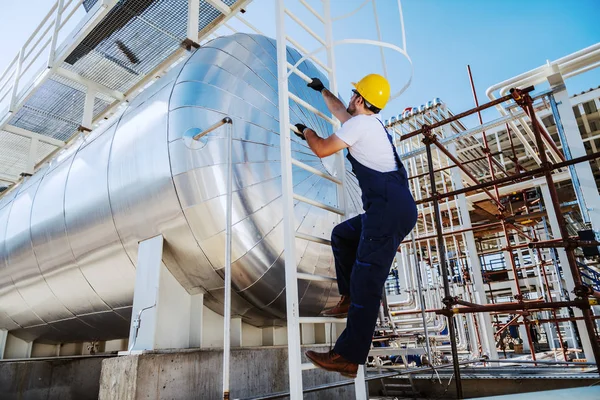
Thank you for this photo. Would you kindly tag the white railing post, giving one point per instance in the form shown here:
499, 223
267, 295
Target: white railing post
53, 42
291, 279
16, 77
339, 156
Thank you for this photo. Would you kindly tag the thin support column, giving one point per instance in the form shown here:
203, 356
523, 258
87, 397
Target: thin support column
522, 328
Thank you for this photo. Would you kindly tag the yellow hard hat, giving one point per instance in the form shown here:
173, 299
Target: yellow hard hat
375, 89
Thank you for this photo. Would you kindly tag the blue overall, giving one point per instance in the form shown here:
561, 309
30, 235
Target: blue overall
364, 248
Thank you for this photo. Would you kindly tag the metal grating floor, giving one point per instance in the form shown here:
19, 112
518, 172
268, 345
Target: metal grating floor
130, 42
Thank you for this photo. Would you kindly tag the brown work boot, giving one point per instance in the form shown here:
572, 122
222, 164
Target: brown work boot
340, 310
331, 361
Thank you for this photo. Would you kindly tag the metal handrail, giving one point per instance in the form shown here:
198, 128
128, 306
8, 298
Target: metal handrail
50, 28
211, 128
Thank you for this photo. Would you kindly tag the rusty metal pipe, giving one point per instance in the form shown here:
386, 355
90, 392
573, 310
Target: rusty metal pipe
520, 306
527, 104
495, 199
512, 178
464, 114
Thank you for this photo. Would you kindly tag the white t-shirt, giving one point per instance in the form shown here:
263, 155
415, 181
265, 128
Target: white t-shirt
368, 142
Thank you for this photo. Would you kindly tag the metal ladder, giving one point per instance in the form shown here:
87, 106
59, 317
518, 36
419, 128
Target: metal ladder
284, 68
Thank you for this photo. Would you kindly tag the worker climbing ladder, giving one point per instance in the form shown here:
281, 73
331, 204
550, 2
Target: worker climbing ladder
284, 70
292, 275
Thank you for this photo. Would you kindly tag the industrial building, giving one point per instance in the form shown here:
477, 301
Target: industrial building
164, 234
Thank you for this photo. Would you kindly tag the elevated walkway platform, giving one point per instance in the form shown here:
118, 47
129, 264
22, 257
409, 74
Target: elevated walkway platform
85, 59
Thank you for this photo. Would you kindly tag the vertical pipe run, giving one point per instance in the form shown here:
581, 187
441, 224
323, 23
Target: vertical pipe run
442, 260
227, 305
497, 193
548, 293
421, 297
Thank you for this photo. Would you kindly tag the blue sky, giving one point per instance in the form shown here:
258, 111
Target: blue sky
499, 39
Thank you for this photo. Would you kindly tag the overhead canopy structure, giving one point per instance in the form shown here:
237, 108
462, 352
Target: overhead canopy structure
83, 60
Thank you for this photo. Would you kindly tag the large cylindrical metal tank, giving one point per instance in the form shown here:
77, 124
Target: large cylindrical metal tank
69, 234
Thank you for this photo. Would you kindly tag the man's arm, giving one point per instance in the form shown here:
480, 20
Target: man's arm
323, 147
335, 105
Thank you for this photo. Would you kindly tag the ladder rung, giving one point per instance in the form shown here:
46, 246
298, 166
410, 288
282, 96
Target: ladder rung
301, 74
318, 204
322, 320
305, 27
312, 277
304, 51
312, 238
307, 366
315, 171
312, 11
311, 108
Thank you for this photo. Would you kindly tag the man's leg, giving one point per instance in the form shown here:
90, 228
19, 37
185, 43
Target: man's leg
344, 243
373, 263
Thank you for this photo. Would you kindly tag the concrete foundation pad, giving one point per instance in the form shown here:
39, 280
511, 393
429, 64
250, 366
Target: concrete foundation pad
197, 374
58, 379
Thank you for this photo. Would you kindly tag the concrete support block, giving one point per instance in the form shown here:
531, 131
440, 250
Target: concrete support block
236, 332
268, 336
71, 349
307, 334
44, 350
17, 348
328, 333
212, 329
161, 306
196, 319
274, 336
252, 335
3, 337
115, 345
75, 379
198, 374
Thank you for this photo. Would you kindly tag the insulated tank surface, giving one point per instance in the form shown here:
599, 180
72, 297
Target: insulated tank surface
69, 234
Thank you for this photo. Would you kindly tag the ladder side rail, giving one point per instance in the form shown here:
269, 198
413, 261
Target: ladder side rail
291, 279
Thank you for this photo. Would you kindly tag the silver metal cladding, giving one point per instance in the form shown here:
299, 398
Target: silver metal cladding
69, 234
